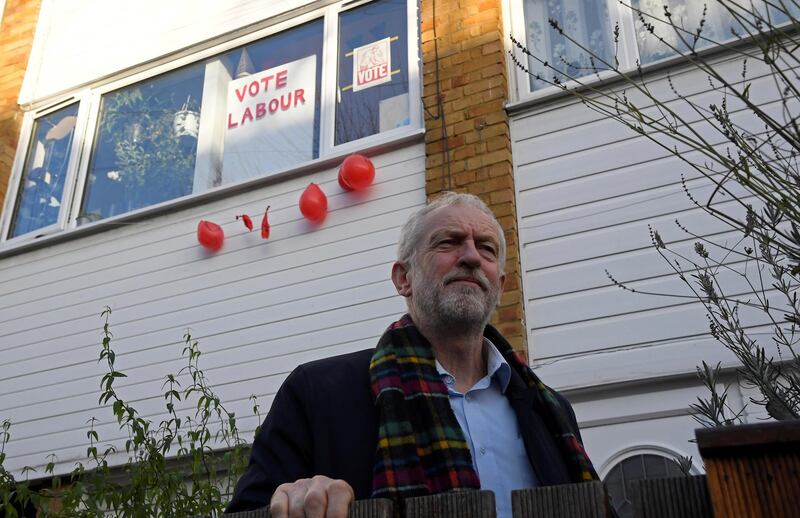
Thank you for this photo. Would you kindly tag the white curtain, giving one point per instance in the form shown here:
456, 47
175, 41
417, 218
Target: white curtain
585, 23
686, 17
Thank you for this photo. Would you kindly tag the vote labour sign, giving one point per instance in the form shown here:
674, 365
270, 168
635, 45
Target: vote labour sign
372, 64
270, 120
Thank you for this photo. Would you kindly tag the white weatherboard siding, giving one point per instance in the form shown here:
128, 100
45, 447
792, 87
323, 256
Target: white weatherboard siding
587, 189
125, 34
258, 308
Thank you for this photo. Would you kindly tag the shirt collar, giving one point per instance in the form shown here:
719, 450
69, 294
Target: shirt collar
496, 366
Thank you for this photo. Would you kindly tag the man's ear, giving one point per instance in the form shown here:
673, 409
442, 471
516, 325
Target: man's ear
502, 287
400, 278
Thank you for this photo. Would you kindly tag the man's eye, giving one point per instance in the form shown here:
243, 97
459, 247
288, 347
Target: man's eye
490, 252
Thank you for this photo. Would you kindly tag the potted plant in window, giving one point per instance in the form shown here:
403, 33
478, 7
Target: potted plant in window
150, 141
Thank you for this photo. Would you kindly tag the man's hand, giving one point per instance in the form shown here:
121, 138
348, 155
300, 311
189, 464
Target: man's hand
318, 497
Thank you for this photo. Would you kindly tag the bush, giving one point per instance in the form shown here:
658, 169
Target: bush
171, 468
748, 151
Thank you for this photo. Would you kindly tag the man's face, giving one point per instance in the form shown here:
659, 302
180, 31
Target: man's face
456, 280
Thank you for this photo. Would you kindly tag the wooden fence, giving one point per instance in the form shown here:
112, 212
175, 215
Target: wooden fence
685, 497
753, 472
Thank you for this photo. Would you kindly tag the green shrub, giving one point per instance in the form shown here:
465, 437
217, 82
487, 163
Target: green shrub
171, 468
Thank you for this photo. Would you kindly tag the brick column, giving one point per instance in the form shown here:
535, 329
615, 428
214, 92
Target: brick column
17, 27
467, 141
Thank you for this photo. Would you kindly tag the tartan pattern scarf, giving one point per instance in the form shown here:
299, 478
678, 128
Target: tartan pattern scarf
421, 448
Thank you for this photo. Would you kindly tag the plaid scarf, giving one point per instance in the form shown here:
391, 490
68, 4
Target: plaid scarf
421, 448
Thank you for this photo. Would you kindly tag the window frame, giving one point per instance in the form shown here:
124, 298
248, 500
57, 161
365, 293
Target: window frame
90, 96
659, 450
21, 157
521, 94
327, 145
522, 91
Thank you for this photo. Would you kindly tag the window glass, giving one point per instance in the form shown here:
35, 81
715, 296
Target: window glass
273, 104
638, 467
236, 116
145, 147
686, 17
585, 23
39, 197
372, 89
781, 12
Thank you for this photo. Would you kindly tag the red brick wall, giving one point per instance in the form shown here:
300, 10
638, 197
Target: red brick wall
466, 37
16, 38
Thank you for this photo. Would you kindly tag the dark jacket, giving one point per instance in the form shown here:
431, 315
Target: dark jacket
323, 422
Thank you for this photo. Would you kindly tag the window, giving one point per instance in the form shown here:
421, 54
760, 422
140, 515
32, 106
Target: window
372, 94
585, 21
587, 27
685, 15
39, 197
144, 151
152, 146
638, 467
341, 78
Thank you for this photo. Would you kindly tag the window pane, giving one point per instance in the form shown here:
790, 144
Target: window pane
686, 16
39, 197
372, 88
638, 467
260, 113
585, 23
272, 103
144, 150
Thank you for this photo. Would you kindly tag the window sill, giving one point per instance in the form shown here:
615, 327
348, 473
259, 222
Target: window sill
24, 244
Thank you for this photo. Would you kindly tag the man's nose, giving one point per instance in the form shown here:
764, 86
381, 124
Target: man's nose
469, 255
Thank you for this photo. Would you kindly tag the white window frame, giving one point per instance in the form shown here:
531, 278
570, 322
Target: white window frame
90, 98
18, 168
658, 450
330, 79
521, 83
521, 93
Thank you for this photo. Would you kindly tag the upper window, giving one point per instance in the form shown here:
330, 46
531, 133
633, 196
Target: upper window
372, 94
686, 17
573, 39
585, 24
146, 144
40, 189
156, 140
340, 76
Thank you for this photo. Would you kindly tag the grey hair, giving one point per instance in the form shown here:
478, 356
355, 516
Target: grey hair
412, 232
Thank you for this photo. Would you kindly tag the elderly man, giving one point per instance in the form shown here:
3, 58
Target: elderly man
441, 404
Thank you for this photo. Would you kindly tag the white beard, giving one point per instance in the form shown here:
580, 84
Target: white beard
454, 307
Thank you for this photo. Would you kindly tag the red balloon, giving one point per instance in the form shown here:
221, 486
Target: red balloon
265, 225
356, 173
314, 203
210, 235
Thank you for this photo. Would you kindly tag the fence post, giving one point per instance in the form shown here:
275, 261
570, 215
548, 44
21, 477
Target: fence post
677, 497
584, 500
753, 469
463, 504
371, 508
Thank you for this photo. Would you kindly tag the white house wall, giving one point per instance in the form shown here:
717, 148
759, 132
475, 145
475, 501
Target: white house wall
258, 308
587, 191
125, 34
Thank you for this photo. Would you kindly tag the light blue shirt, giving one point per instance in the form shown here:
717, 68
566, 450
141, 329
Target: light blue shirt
491, 429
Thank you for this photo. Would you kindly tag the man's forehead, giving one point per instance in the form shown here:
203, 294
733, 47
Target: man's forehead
459, 219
